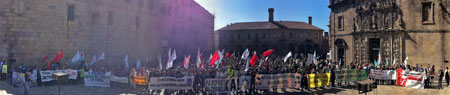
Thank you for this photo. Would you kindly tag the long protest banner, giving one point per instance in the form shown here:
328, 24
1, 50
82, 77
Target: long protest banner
99, 79
219, 85
350, 75
47, 75
119, 79
383, 74
280, 81
411, 79
185, 83
318, 80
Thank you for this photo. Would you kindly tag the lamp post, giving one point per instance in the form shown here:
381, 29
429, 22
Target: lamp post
60, 77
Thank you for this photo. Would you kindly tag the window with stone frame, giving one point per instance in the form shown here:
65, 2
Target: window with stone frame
249, 36
264, 35
340, 23
291, 35
70, 13
427, 13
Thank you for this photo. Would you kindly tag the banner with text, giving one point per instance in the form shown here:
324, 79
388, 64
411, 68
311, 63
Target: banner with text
272, 81
318, 80
185, 83
383, 74
350, 75
47, 75
218, 85
99, 79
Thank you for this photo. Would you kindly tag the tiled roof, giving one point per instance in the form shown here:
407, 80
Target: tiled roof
270, 25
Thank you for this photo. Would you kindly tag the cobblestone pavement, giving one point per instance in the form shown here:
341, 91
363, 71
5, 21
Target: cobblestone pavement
345, 90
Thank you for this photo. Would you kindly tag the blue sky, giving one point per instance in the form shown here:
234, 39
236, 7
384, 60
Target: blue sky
233, 11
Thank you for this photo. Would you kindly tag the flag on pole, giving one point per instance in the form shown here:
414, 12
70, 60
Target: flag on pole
221, 55
172, 58
82, 55
379, 58
138, 64
126, 62
199, 60
94, 59
102, 57
375, 62
186, 62
76, 57
58, 56
227, 54
406, 61
247, 65
203, 65
214, 58
268, 52
160, 63
314, 58
287, 56
245, 54
254, 59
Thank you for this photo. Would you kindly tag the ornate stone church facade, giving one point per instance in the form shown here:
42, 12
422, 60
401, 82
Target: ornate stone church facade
363, 30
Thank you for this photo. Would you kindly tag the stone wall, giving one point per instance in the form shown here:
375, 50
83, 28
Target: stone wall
398, 24
32, 29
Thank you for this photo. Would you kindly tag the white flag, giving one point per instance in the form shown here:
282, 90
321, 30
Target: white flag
76, 57
82, 55
138, 64
102, 57
160, 63
314, 58
246, 65
172, 57
199, 60
406, 61
245, 54
94, 59
220, 57
287, 56
126, 62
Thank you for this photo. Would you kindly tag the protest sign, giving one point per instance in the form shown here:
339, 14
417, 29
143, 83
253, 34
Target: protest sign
350, 75
272, 81
383, 74
72, 73
119, 79
185, 83
46, 76
141, 80
219, 85
318, 80
99, 79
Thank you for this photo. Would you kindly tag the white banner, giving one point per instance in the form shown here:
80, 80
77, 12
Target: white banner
72, 73
415, 80
119, 79
218, 85
46, 76
185, 83
97, 79
383, 74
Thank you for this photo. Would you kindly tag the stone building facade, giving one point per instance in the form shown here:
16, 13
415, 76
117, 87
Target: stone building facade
283, 36
31, 29
360, 30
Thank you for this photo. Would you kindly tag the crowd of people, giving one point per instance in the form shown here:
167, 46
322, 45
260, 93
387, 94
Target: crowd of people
229, 67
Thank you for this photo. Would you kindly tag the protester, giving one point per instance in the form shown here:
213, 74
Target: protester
441, 75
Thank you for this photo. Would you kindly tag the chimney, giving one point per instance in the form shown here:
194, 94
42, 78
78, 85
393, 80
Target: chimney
310, 20
271, 14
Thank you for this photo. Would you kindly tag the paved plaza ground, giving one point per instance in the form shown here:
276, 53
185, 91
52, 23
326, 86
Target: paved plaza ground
344, 90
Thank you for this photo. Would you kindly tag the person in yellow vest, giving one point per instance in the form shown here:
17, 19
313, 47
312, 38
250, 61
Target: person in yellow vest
4, 70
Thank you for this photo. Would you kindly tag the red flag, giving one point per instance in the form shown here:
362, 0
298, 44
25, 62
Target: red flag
214, 58
59, 56
227, 54
203, 64
48, 65
254, 59
268, 52
232, 55
45, 58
